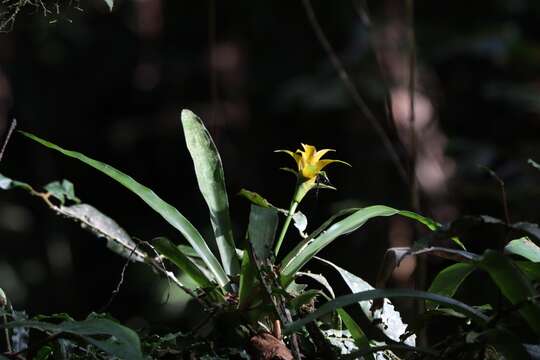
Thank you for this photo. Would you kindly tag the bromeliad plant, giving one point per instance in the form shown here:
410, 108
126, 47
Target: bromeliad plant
259, 291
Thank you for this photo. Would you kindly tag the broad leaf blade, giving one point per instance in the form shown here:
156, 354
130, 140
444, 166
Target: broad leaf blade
513, 284
449, 280
248, 276
388, 319
167, 211
261, 234
211, 180
109, 336
350, 299
262, 230
524, 247
171, 252
308, 248
103, 226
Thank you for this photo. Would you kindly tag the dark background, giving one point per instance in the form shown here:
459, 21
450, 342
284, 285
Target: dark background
112, 86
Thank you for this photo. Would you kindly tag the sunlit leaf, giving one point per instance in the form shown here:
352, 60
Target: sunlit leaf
534, 164
103, 226
525, 248
320, 279
387, 318
360, 339
167, 211
62, 191
347, 300
110, 4
255, 198
8, 184
308, 248
300, 223
171, 252
211, 180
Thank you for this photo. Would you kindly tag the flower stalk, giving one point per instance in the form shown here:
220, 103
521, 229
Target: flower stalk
310, 167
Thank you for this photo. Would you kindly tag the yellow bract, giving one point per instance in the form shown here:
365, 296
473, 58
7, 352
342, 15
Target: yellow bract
309, 161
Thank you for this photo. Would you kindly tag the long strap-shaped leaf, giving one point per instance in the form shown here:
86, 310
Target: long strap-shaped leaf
167, 211
346, 300
209, 171
308, 248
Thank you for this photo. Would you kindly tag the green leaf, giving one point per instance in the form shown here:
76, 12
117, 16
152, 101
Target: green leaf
44, 353
430, 224
387, 319
304, 298
167, 211
449, 280
524, 247
320, 279
211, 180
101, 225
261, 234
350, 299
255, 198
530, 269
513, 284
248, 276
8, 184
62, 191
262, 230
105, 334
360, 339
171, 252
308, 248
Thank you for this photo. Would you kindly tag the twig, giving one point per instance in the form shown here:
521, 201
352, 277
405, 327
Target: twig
116, 291
412, 115
351, 88
362, 10
8, 136
504, 199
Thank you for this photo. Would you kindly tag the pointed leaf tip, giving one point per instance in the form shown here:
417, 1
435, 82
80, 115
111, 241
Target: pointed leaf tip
110, 4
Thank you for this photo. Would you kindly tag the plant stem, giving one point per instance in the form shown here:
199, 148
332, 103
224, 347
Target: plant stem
292, 209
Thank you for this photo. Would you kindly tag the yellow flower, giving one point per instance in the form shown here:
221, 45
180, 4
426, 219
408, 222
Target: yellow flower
309, 161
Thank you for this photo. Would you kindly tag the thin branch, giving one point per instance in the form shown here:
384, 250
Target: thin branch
8, 136
362, 10
212, 60
351, 88
116, 291
504, 199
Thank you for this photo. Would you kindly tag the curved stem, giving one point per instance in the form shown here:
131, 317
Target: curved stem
292, 209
